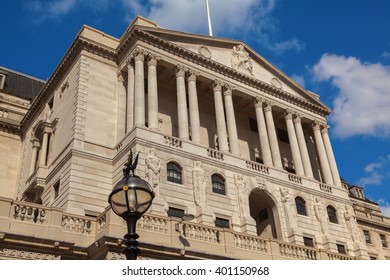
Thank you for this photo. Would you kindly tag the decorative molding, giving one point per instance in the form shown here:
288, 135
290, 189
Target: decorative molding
205, 52
19, 254
276, 83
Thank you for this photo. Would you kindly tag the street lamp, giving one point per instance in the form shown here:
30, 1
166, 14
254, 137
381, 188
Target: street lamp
130, 198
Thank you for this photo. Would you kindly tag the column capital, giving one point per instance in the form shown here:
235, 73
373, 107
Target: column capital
217, 85
316, 125
192, 74
130, 63
288, 114
258, 101
324, 129
139, 54
152, 59
35, 143
228, 89
298, 118
120, 76
268, 105
180, 71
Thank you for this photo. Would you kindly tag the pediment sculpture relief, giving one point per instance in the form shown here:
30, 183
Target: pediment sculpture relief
241, 60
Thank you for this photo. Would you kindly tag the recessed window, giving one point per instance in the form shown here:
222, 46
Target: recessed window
383, 240
283, 136
174, 173
263, 215
218, 184
253, 125
222, 223
308, 241
301, 206
332, 214
56, 188
367, 236
341, 249
175, 212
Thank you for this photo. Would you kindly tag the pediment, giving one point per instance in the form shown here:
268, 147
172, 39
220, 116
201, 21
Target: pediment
239, 57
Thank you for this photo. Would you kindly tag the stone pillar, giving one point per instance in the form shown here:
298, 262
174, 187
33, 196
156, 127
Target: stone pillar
139, 89
263, 134
326, 173
152, 93
181, 103
303, 147
231, 121
194, 107
332, 161
292, 137
220, 117
121, 108
130, 95
273, 139
35, 148
45, 142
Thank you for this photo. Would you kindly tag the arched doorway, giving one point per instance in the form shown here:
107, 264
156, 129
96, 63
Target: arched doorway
264, 211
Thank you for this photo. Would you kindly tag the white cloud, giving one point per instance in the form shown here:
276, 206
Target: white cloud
373, 178
386, 54
370, 167
376, 171
52, 9
362, 106
239, 18
385, 207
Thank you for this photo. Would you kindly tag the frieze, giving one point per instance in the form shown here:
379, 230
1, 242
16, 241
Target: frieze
13, 253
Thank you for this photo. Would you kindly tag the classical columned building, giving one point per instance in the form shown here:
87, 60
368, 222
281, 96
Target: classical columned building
222, 134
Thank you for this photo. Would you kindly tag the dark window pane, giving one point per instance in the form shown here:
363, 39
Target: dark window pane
301, 206
383, 240
174, 173
218, 184
367, 236
283, 136
175, 212
222, 223
308, 241
332, 214
263, 214
253, 125
341, 249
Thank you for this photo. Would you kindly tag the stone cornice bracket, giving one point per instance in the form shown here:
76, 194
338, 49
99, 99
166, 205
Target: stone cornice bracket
288, 114
217, 85
180, 70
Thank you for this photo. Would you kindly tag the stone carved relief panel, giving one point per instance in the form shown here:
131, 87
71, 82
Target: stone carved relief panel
240, 59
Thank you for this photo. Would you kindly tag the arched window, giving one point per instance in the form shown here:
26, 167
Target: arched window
300, 203
332, 214
218, 184
174, 173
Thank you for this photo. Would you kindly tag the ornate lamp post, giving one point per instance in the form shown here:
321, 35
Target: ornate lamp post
130, 198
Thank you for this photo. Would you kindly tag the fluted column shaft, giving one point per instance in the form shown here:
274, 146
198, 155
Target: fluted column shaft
332, 161
182, 103
34, 155
220, 117
194, 108
263, 134
303, 147
121, 107
139, 90
231, 121
152, 93
326, 173
273, 139
130, 96
292, 137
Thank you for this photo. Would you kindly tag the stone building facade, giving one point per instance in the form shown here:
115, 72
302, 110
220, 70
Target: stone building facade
222, 134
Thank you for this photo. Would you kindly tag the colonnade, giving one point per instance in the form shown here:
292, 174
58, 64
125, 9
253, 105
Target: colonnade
189, 120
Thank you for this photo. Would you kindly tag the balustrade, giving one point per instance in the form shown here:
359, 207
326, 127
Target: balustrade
173, 141
257, 167
30, 213
215, 154
250, 243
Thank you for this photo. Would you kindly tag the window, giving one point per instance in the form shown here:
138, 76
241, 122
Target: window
283, 136
218, 184
253, 125
341, 249
56, 188
332, 214
367, 236
175, 212
263, 214
222, 223
383, 240
301, 206
2, 81
174, 172
308, 241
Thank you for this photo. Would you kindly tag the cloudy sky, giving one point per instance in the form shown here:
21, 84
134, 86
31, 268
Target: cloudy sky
338, 49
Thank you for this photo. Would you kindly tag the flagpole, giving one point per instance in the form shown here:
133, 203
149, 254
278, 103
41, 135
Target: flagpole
208, 18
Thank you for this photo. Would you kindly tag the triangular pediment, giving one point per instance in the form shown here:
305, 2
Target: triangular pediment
236, 56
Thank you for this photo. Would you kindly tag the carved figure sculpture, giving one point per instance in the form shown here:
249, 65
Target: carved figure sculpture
320, 212
241, 58
153, 166
286, 200
242, 195
199, 178
351, 223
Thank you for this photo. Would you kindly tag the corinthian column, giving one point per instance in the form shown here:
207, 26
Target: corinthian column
139, 89
303, 147
220, 117
194, 107
263, 134
273, 139
231, 121
130, 95
181, 103
292, 137
152, 93
331, 158
327, 175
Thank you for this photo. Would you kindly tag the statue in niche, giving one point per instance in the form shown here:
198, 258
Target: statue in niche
351, 223
199, 178
242, 195
48, 113
321, 215
152, 165
286, 200
241, 59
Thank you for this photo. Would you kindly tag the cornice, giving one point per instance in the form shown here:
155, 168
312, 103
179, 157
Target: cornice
138, 33
75, 49
10, 128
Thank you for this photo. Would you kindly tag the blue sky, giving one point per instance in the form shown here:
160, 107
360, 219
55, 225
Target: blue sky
338, 49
